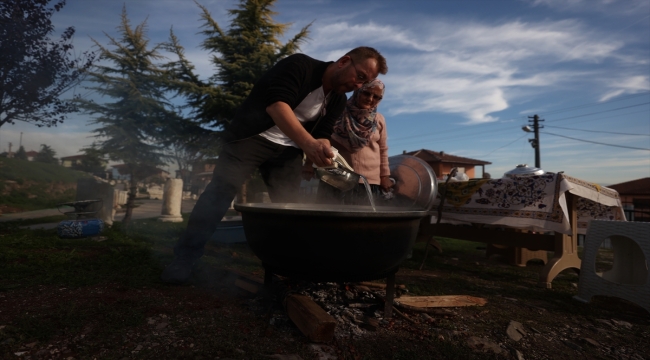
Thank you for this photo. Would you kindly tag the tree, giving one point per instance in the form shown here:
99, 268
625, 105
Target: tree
35, 71
46, 155
21, 153
241, 56
93, 161
132, 127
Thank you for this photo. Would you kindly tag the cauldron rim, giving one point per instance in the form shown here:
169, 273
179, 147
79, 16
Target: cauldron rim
327, 210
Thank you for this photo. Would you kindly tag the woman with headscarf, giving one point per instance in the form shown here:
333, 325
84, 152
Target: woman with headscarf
360, 137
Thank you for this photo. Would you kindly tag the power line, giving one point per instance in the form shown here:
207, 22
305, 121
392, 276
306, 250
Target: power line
590, 120
604, 111
596, 131
472, 130
599, 143
595, 104
510, 143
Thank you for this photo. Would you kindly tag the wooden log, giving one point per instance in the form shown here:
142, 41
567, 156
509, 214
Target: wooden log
247, 285
245, 275
251, 283
416, 302
380, 285
367, 323
310, 318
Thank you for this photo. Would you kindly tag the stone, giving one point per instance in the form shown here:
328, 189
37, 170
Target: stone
323, 352
483, 345
622, 323
518, 354
515, 330
93, 189
592, 342
572, 345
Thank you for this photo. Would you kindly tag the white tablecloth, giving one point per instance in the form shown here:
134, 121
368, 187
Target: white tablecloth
535, 203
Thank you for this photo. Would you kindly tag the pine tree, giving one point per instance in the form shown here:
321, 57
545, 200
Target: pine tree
133, 127
46, 155
240, 55
93, 161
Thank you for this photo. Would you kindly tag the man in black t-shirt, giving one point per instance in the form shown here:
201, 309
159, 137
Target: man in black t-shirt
290, 111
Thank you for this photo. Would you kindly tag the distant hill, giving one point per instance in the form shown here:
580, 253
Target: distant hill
29, 185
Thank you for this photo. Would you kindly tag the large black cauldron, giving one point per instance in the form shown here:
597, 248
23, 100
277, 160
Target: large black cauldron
330, 242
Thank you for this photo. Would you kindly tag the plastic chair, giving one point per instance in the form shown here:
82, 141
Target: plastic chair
629, 277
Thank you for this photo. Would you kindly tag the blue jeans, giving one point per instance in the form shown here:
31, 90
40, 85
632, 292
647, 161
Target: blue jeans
280, 167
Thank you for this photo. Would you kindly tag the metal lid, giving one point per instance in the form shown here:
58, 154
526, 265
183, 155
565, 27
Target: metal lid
416, 185
524, 170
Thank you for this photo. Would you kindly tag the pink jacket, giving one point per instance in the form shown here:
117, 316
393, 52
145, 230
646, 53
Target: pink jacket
372, 160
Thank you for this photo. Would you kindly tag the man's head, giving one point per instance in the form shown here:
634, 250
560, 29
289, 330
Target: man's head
360, 65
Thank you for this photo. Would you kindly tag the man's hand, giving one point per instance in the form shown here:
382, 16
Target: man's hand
318, 151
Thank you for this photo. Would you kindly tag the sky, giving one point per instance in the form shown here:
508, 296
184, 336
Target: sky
464, 75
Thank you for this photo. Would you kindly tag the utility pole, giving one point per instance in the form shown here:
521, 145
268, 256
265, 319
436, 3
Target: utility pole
535, 142
20, 143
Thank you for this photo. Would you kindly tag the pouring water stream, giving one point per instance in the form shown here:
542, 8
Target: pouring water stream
372, 201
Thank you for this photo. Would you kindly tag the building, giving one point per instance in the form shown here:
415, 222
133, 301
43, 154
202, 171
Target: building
70, 161
31, 155
442, 163
635, 196
201, 175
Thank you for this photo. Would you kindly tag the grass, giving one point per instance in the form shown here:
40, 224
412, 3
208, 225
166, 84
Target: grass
37, 185
23, 170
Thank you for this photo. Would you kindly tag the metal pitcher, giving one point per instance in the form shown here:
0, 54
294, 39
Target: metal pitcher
340, 177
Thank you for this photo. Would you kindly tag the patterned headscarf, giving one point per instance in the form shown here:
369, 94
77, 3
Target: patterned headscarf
355, 126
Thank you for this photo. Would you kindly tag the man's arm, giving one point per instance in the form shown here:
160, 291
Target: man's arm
317, 150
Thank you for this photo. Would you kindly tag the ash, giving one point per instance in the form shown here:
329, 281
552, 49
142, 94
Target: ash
358, 310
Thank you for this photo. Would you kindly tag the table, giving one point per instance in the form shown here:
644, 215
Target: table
538, 213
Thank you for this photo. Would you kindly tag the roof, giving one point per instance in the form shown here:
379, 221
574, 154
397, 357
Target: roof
73, 157
434, 156
31, 153
636, 187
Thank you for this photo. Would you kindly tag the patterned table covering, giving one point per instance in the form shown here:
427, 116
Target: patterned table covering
535, 203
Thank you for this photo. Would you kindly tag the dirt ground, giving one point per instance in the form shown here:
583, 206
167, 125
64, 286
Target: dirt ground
213, 319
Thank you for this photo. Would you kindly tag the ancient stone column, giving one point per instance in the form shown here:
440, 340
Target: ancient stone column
172, 197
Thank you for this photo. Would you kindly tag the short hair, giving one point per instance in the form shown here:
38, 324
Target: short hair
365, 52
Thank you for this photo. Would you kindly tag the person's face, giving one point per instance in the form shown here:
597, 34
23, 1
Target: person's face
369, 98
351, 75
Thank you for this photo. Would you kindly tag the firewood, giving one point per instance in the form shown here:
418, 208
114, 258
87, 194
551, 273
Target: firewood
248, 285
380, 285
367, 323
415, 302
247, 276
310, 318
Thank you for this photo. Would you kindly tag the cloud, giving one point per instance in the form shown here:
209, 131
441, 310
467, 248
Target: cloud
629, 85
474, 69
